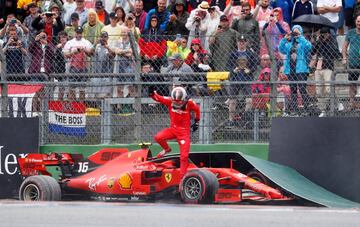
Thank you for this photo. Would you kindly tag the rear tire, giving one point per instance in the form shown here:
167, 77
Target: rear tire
198, 186
40, 188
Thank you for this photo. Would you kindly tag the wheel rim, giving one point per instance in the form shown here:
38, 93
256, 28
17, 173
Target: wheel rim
31, 193
192, 188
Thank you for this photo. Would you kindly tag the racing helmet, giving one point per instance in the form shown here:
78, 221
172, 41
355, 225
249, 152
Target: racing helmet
178, 97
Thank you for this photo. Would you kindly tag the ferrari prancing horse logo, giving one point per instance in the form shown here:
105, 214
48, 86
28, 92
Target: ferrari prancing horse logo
168, 177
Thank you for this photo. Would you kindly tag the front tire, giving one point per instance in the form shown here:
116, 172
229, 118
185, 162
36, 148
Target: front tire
198, 186
40, 188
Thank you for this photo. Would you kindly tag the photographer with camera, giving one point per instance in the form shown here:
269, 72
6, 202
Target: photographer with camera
233, 10
246, 25
51, 24
197, 22
13, 23
14, 53
41, 54
297, 50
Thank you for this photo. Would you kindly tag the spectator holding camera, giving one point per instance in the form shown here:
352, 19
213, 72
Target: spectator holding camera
243, 50
246, 25
326, 51
262, 12
286, 6
197, 22
51, 23
14, 53
14, 24
77, 50
296, 49
178, 19
233, 10
42, 54
223, 42
33, 13
213, 24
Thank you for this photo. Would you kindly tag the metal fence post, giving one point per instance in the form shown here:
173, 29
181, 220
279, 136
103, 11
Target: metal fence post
273, 79
4, 86
256, 125
332, 94
137, 103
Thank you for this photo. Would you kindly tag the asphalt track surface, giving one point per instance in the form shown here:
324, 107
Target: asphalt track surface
125, 214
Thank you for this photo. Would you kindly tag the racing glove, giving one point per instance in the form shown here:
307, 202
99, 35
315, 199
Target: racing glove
151, 90
195, 126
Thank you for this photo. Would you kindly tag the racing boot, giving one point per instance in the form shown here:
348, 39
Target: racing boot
163, 152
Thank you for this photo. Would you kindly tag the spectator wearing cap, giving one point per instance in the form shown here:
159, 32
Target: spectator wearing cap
302, 7
75, 22
223, 42
33, 10
51, 23
102, 14
130, 24
239, 92
81, 11
243, 50
113, 29
127, 5
215, 14
246, 25
177, 21
153, 44
68, 8
140, 15
197, 52
194, 4
92, 28
103, 62
197, 22
161, 13
77, 50
48, 6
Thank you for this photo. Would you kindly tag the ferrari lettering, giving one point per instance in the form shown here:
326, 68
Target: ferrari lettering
93, 182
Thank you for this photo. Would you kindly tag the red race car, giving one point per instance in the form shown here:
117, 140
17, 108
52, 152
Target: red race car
117, 174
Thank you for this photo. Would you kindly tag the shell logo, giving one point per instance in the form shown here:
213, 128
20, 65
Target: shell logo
125, 181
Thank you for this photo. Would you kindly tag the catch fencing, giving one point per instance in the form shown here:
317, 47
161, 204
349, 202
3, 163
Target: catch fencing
103, 90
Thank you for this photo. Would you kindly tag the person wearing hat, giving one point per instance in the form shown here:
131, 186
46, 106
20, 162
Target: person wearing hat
68, 8
49, 5
76, 51
70, 29
223, 42
51, 23
238, 92
103, 15
81, 11
113, 29
130, 24
197, 22
161, 13
243, 50
213, 24
178, 19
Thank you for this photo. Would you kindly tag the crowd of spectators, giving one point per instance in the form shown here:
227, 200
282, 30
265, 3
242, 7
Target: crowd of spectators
178, 37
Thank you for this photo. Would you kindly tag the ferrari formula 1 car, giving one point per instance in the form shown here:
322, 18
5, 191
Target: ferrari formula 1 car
117, 173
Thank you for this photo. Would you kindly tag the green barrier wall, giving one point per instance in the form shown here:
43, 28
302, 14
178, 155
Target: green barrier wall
257, 150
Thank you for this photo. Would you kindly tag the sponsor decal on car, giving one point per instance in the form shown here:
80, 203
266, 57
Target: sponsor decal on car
111, 182
168, 177
125, 181
94, 182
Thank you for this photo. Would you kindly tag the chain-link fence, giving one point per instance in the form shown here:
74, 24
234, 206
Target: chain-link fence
97, 92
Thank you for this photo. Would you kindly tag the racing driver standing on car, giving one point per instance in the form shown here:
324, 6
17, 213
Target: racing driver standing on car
180, 108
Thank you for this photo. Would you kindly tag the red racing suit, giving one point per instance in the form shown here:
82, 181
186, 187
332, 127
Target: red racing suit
179, 128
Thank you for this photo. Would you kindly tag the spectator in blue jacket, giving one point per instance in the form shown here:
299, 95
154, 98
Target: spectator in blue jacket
162, 14
296, 49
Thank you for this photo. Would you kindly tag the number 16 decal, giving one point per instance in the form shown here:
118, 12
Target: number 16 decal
83, 167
